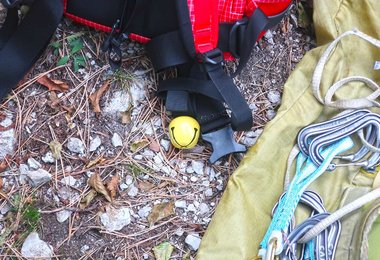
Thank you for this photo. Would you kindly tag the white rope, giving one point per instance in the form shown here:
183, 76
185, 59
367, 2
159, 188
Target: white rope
356, 204
368, 101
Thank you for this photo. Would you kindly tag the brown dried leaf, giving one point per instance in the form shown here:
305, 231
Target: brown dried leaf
53, 85
146, 185
154, 145
96, 182
113, 185
98, 160
95, 97
138, 145
54, 100
161, 211
1, 183
126, 117
84, 202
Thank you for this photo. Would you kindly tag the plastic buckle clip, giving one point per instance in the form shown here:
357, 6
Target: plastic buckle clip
236, 37
213, 57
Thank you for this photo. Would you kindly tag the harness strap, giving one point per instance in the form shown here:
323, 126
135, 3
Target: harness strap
16, 57
368, 101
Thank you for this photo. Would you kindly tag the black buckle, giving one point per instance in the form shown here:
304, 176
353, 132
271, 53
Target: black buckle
237, 33
213, 57
11, 3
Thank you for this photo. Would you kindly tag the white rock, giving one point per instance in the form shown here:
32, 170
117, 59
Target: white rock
123, 186
212, 175
137, 91
144, 211
198, 167
206, 183
165, 144
69, 180
116, 140
191, 208
67, 193
119, 102
271, 114
34, 164
274, 97
208, 192
48, 158
24, 169
75, 145
138, 157
115, 219
247, 141
63, 215
128, 179
180, 204
193, 241
95, 143
157, 159
4, 210
148, 154
179, 232
268, 35
84, 249
253, 107
204, 209
189, 169
193, 178
7, 140
38, 177
133, 190
34, 247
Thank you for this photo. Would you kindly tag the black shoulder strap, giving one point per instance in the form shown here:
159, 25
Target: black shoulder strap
27, 42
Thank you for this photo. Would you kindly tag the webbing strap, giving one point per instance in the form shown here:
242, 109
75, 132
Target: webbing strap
28, 41
365, 102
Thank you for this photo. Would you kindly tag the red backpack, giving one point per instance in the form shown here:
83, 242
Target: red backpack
195, 37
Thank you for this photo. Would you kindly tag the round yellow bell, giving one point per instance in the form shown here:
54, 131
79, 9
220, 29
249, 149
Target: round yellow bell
184, 132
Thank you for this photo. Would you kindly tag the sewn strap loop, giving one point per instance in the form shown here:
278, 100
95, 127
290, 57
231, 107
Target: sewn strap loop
368, 101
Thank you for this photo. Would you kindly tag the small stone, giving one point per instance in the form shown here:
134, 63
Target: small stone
191, 208
189, 169
116, 140
247, 141
123, 186
212, 175
38, 177
34, 164
146, 256
271, 114
138, 157
198, 167
33, 247
63, 215
128, 179
48, 158
206, 183
4, 210
193, 178
274, 97
119, 102
193, 241
133, 190
75, 145
180, 204
208, 192
115, 219
7, 140
268, 35
250, 134
84, 248
144, 211
253, 107
95, 143
66, 193
157, 159
165, 144
204, 209
69, 180
179, 232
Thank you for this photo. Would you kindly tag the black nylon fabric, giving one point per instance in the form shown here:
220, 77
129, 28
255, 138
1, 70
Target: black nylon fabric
27, 42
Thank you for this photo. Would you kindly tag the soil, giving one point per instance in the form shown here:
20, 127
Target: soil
41, 116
